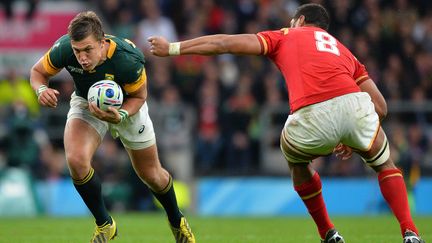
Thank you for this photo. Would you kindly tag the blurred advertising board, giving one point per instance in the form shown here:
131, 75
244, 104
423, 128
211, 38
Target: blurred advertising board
23, 41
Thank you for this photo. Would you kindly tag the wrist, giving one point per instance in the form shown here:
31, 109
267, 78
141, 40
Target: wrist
174, 49
41, 89
124, 114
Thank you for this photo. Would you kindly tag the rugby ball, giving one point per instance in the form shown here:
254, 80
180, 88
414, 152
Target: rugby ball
105, 93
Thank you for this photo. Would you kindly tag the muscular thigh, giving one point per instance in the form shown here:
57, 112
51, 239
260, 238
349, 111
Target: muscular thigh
316, 129
311, 132
81, 141
363, 130
144, 159
136, 132
379, 151
148, 167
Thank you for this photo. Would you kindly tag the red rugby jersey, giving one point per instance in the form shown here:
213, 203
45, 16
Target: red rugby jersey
315, 65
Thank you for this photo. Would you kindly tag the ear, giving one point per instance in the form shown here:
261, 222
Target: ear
102, 42
302, 20
292, 23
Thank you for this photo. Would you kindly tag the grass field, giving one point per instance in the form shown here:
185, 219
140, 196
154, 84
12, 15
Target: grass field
153, 228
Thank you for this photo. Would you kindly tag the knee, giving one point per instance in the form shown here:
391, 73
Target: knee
300, 168
381, 159
79, 165
155, 178
388, 164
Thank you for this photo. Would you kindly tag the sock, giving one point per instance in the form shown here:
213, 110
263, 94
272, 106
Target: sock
393, 189
90, 189
310, 193
167, 198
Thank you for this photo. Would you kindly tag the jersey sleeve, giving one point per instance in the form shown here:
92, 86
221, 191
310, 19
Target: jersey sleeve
138, 83
133, 75
269, 40
54, 60
360, 73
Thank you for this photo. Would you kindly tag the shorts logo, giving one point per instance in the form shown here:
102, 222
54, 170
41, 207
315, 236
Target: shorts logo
142, 129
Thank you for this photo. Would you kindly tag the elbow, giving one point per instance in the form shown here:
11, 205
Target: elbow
219, 47
382, 111
222, 45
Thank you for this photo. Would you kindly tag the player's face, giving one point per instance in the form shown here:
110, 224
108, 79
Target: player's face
88, 52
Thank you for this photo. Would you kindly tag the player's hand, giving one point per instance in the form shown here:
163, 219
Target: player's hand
111, 115
48, 97
343, 152
159, 46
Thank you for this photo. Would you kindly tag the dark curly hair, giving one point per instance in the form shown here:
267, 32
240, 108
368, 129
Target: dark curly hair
314, 14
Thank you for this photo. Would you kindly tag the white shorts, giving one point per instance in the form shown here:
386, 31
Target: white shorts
316, 129
135, 133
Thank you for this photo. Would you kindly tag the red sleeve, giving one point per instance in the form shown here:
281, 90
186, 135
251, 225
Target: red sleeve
269, 40
360, 73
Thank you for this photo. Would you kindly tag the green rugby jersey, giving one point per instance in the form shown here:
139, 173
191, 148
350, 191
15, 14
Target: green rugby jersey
124, 65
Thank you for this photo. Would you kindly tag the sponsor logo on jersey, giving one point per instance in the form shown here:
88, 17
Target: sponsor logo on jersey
109, 76
73, 69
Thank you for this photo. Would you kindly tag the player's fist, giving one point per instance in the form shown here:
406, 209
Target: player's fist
48, 97
159, 46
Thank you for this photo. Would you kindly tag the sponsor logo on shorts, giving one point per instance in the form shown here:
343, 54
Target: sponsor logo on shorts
141, 129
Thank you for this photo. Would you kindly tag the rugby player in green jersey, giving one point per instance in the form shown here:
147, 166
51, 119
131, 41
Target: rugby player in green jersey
89, 56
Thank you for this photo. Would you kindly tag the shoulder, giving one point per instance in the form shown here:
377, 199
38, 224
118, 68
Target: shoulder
124, 50
129, 60
271, 39
61, 48
62, 43
58, 55
277, 35
274, 33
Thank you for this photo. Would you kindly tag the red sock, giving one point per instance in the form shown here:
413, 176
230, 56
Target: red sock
393, 189
310, 193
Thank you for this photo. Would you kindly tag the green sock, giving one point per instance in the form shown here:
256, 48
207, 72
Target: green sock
167, 198
90, 189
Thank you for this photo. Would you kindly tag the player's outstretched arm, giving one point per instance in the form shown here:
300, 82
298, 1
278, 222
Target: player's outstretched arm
39, 82
244, 44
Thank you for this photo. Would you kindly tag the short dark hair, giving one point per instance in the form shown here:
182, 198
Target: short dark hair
314, 14
85, 24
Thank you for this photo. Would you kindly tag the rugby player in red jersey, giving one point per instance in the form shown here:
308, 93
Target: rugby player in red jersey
335, 107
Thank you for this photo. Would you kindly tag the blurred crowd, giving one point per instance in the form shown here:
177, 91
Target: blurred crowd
222, 115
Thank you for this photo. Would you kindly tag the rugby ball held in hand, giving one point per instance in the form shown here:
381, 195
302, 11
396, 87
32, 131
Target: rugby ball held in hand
105, 93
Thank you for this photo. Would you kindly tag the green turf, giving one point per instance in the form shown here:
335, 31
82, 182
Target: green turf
149, 228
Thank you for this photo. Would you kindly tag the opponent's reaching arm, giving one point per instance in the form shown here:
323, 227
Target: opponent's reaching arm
39, 81
246, 44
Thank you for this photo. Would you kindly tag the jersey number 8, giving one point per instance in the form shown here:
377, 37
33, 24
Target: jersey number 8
326, 42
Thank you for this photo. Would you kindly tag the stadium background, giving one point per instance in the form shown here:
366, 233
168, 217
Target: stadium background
217, 119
